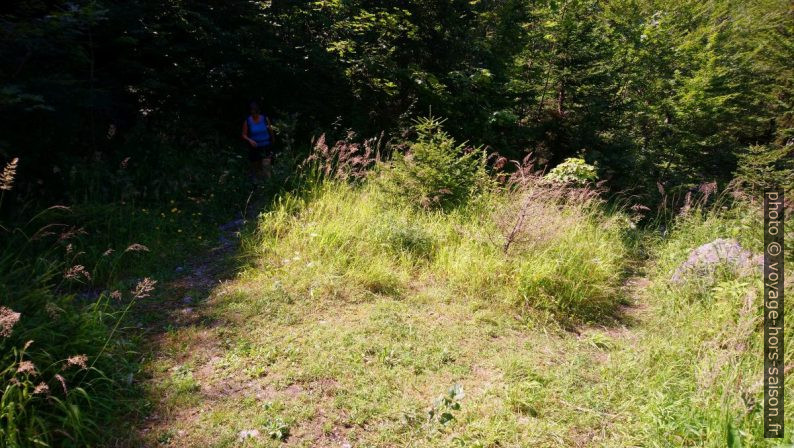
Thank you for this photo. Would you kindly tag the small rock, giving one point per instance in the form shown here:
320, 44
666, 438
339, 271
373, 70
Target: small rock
704, 259
246, 433
187, 310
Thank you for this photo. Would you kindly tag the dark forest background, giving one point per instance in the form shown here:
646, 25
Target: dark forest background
648, 91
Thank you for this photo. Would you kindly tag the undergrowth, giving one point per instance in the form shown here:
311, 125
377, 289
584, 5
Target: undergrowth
70, 277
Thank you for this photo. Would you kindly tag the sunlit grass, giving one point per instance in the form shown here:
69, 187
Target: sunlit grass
355, 319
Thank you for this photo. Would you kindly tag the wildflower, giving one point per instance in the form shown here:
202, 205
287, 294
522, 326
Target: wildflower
8, 318
62, 380
116, 295
42, 388
7, 177
137, 248
107, 252
125, 162
27, 345
77, 360
76, 271
69, 248
143, 288
26, 367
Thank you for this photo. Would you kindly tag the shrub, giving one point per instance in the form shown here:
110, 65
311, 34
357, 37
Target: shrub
574, 172
435, 172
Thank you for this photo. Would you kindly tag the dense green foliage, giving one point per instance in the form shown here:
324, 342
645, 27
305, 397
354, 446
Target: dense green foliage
435, 171
667, 91
573, 171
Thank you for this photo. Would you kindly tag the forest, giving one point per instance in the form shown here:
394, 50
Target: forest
479, 223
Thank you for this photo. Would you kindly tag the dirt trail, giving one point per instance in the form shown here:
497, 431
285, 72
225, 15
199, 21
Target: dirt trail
181, 303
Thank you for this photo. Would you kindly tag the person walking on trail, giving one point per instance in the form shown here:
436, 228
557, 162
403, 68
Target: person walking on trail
258, 132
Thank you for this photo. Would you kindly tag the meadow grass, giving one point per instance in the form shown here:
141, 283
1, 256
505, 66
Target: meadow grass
693, 375
356, 317
365, 323
521, 315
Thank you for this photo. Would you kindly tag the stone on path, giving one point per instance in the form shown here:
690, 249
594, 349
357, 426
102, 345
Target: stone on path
705, 259
247, 433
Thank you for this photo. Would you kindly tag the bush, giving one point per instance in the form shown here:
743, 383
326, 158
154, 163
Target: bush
572, 171
435, 172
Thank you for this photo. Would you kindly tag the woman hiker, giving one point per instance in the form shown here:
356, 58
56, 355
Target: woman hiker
259, 135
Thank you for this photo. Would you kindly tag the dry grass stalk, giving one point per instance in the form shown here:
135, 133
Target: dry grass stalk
62, 380
143, 288
535, 217
8, 318
77, 271
345, 160
8, 174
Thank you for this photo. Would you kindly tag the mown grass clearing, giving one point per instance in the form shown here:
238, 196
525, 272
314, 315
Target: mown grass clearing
362, 325
355, 317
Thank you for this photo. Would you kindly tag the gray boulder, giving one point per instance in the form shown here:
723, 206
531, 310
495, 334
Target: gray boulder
705, 259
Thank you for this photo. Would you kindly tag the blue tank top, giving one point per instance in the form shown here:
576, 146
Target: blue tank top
258, 131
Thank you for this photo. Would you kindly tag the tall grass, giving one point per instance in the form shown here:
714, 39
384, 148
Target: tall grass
69, 279
694, 376
349, 241
62, 372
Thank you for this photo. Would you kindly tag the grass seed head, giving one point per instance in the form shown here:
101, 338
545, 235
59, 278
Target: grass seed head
9, 172
8, 318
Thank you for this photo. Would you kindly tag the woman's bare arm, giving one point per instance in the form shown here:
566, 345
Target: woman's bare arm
245, 134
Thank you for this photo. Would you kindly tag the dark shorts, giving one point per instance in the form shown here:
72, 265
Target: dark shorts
259, 153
